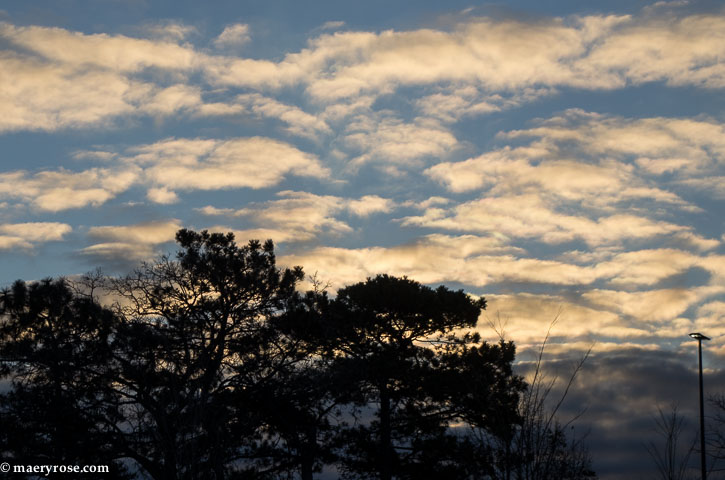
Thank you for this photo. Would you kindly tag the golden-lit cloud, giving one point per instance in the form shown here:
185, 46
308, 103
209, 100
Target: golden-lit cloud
583, 176
26, 235
656, 145
149, 232
130, 242
530, 216
204, 164
526, 318
40, 96
110, 52
234, 35
472, 68
302, 216
55, 190
394, 143
653, 305
297, 121
594, 52
436, 258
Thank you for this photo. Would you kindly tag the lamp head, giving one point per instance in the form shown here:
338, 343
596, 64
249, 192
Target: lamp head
699, 336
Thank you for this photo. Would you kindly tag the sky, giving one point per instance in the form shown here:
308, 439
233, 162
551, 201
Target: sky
564, 159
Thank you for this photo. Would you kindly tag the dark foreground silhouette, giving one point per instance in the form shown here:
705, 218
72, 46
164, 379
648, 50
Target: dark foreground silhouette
211, 365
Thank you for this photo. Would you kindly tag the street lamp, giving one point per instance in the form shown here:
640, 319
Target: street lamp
700, 337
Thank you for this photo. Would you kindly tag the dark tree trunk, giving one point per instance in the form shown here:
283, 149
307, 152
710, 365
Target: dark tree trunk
308, 454
385, 442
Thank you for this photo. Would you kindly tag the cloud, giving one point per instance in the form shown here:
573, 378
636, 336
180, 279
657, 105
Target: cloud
678, 51
298, 122
162, 196
62, 189
176, 98
584, 52
164, 166
370, 204
647, 267
170, 31
436, 258
475, 53
526, 318
57, 78
41, 96
395, 143
656, 145
453, 103
112, 53
602, 184
583, 176
130, 243
302, 216
148, 232
651, 306
713, 184
9, 242
204, 164
234, 35
595, 160
14, 236
528, 216
332, 25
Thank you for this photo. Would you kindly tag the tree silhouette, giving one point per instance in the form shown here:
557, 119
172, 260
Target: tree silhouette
211, 365
56, 348
399, 341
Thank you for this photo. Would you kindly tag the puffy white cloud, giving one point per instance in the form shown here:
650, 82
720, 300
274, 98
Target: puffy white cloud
679, 51
452, 104
595, 52
305, 215
148, 232
24, 236
526, 318
473, 68
394, 143
598, 161
164, 166
535, 169
114, 53
370, 204
55, 78
436, 258
647, 267
9, 242
583, 176
298, 121
62, 189
529, 216
302, 216
654, 306
166, 101
162, 196
119, 251
203, 164
657, 144
130, 243
38, 96
234, 35
170, 31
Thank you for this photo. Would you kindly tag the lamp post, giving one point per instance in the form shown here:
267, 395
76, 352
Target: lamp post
700, 337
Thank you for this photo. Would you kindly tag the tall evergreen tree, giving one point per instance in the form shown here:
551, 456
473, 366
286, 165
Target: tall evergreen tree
210, 365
